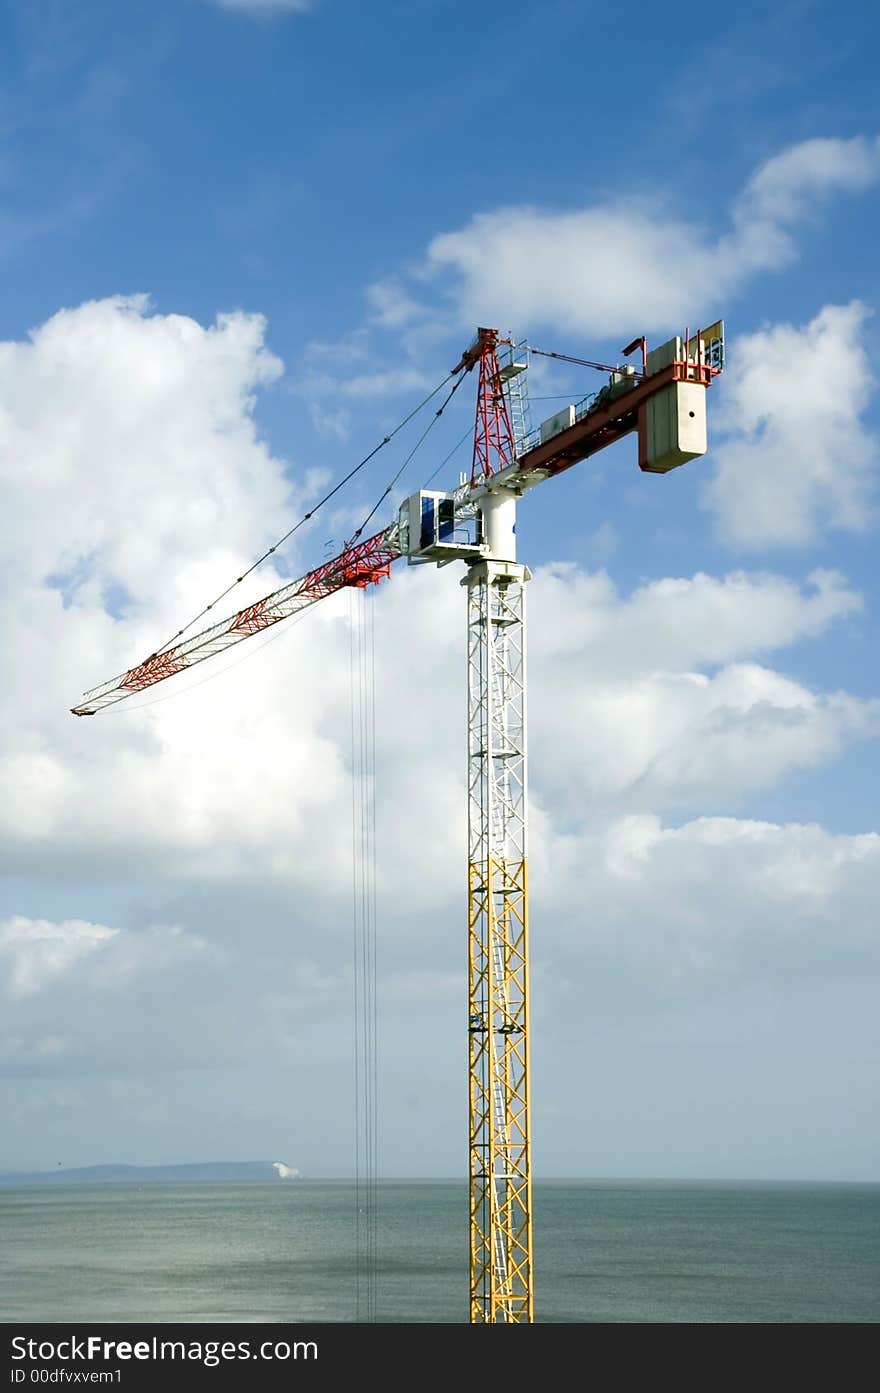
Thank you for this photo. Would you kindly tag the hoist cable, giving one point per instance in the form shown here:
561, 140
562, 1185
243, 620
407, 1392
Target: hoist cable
580, 362
370, 942
355, 960
362, 673
365, 951
443, 463
374, 965
425, 433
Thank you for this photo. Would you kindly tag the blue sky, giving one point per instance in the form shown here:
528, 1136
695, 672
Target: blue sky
319, 203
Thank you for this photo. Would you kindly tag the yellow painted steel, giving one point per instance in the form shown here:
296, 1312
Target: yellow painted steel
500, 1160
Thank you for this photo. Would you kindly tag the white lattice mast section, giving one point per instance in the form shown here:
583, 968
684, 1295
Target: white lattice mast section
513, 362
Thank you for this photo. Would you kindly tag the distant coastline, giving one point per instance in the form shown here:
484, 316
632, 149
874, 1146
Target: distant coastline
204, 1172
144, 1175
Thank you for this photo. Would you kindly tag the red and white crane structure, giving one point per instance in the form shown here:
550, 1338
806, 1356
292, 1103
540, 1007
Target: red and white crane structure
663, 401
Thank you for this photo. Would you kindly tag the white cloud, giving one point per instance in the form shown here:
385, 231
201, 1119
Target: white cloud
604, 542
652, 700
676, 622
678, 911
320, 388
688, 740
785, 188
380, 384
82, 997
135, 488
40, 954
610, 267
334, 423
36, 951
720, 899
151, 420
796, 456
391, 304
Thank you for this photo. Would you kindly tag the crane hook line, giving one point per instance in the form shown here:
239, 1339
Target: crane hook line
362, 678
386, 440
579, 362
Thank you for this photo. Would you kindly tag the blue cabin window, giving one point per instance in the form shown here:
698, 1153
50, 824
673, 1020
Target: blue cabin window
426, 538
446, 519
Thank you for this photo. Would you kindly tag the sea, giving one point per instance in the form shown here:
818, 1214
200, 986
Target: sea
297, 1251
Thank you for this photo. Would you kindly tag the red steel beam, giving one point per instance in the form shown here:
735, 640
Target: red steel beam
609, 423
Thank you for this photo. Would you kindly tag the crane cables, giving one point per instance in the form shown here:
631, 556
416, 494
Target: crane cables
362, 670
270, 551
362, 677
579, 362
422, 438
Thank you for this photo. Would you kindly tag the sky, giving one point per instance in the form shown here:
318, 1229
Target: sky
239, 241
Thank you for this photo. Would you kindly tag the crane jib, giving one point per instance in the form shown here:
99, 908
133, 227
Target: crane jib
360, 564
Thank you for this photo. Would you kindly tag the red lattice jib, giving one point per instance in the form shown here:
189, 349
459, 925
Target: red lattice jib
253, 619
153, 670
364, 563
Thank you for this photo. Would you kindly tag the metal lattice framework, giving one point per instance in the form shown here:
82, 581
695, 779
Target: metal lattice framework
361, 564
493, 435
500, 1172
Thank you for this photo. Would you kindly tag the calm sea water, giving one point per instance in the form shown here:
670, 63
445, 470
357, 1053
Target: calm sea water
287, 1252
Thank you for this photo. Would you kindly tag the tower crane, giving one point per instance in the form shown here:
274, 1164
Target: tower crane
663, 401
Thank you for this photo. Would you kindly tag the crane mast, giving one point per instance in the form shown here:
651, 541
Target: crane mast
499, 1152
664, 402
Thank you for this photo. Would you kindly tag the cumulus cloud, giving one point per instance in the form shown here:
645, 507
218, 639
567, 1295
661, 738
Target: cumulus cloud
786, 187
796, 456
391, 305
135, 486
677, 622
658, 694
150, 419
678, 910
35, 951
720, 899
605, 268
39, 954
389, 382
79, 995
688, 740
88, 997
